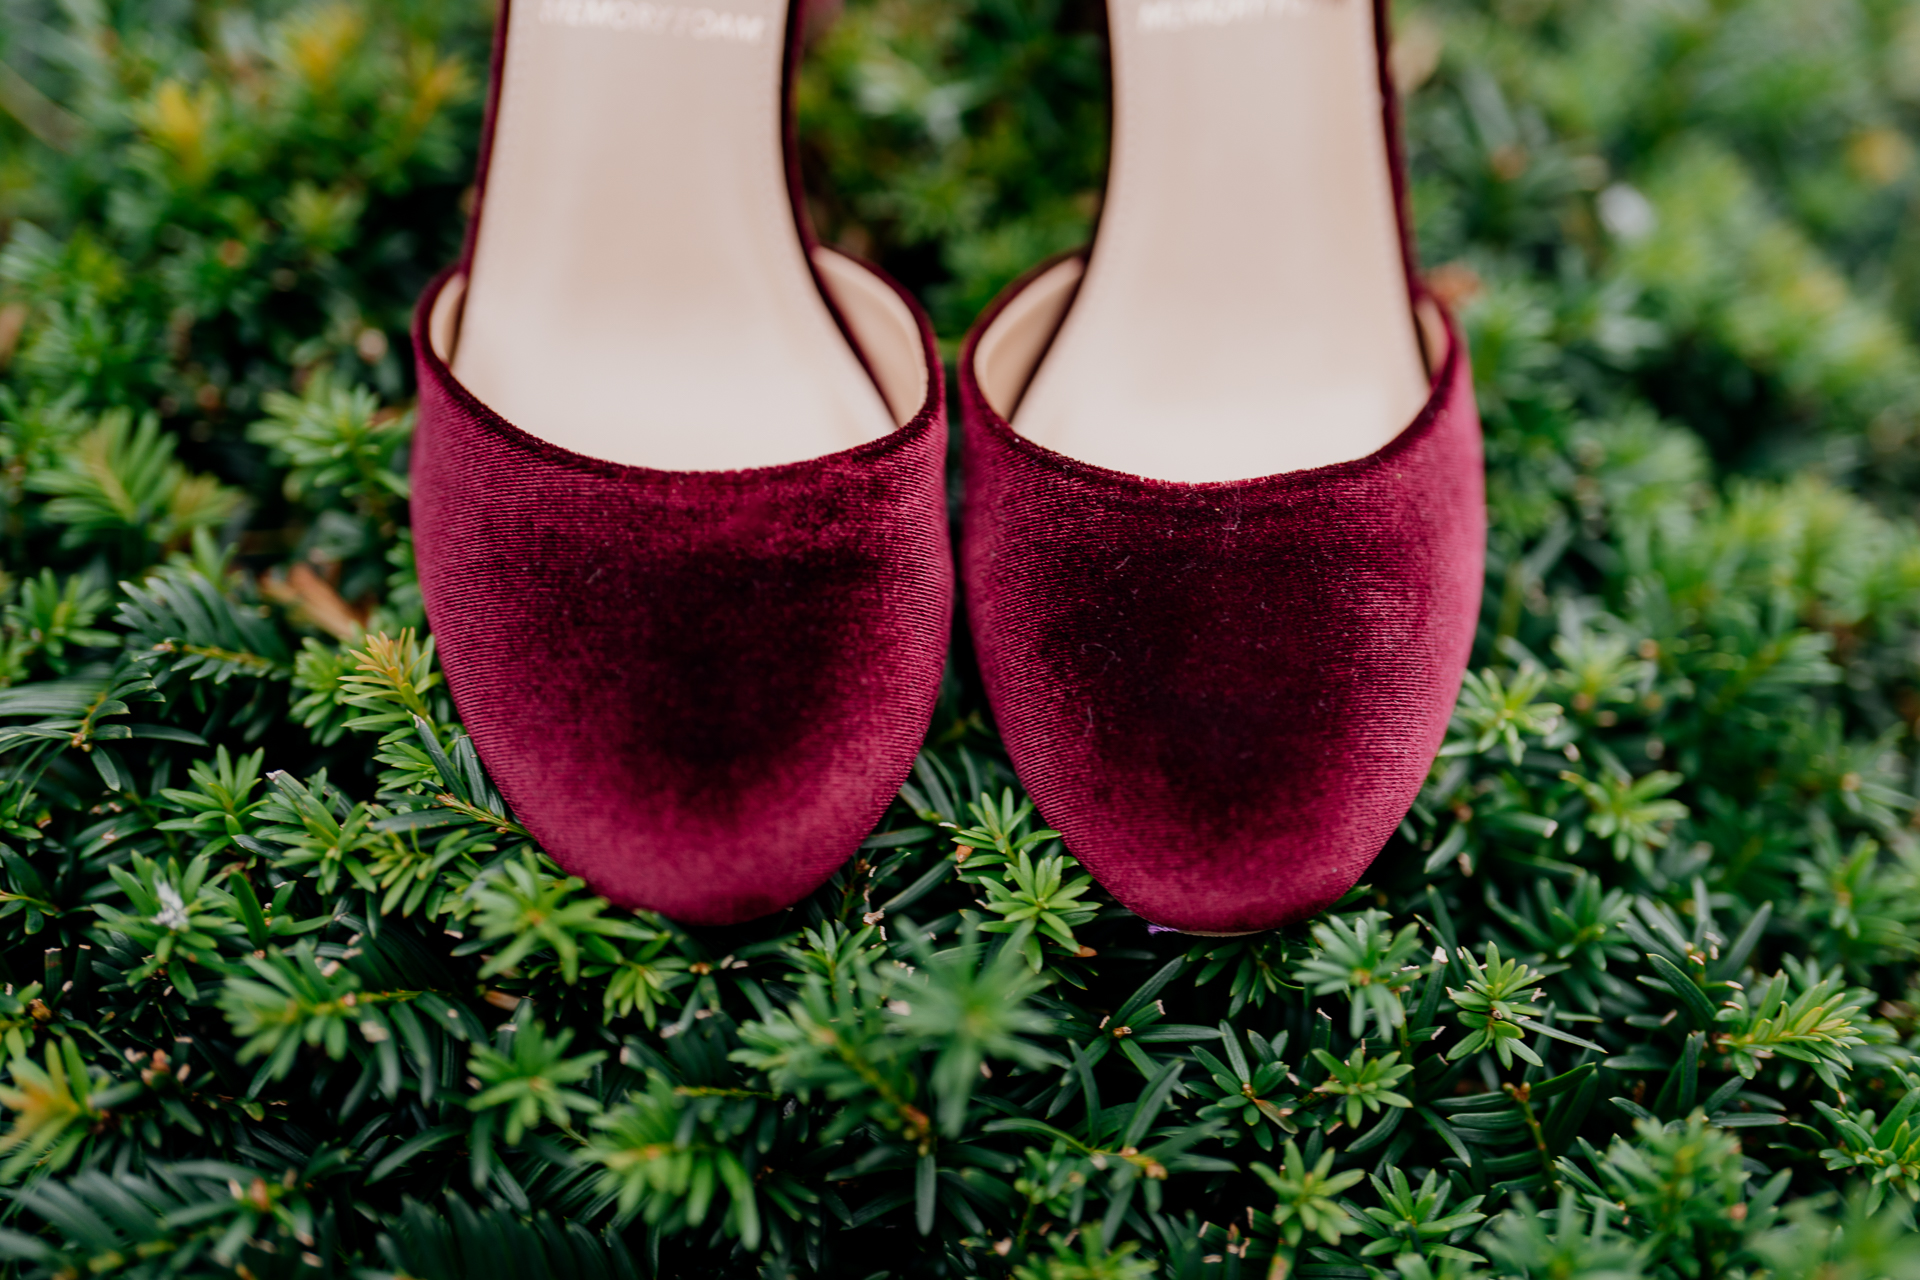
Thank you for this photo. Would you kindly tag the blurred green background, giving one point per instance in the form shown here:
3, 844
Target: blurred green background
1683, 240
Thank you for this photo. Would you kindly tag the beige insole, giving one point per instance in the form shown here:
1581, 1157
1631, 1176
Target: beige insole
1245, 310
639, 292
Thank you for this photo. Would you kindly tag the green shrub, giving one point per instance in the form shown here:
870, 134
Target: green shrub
288, 990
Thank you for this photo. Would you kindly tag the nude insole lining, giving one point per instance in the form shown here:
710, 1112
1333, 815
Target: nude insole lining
1245, 310
1011, 347
639, 292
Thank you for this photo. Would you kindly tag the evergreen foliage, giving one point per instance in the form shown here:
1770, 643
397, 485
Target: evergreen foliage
287, 991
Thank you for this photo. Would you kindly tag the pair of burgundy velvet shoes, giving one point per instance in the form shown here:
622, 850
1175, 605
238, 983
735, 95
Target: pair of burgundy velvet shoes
701, 687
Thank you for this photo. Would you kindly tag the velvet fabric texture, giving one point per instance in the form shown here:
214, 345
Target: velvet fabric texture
1225, 696
698, 690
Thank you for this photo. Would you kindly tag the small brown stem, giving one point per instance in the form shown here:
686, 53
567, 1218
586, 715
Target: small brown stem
1519, 1094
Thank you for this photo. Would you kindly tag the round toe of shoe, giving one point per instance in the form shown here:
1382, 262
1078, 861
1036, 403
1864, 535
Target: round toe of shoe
1220, 770
704, 732
1208, 857
1226, 696
659, 830
698, 703
698, 690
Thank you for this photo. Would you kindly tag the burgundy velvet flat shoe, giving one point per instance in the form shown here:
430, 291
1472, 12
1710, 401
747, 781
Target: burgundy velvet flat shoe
1224, 519
678, 493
